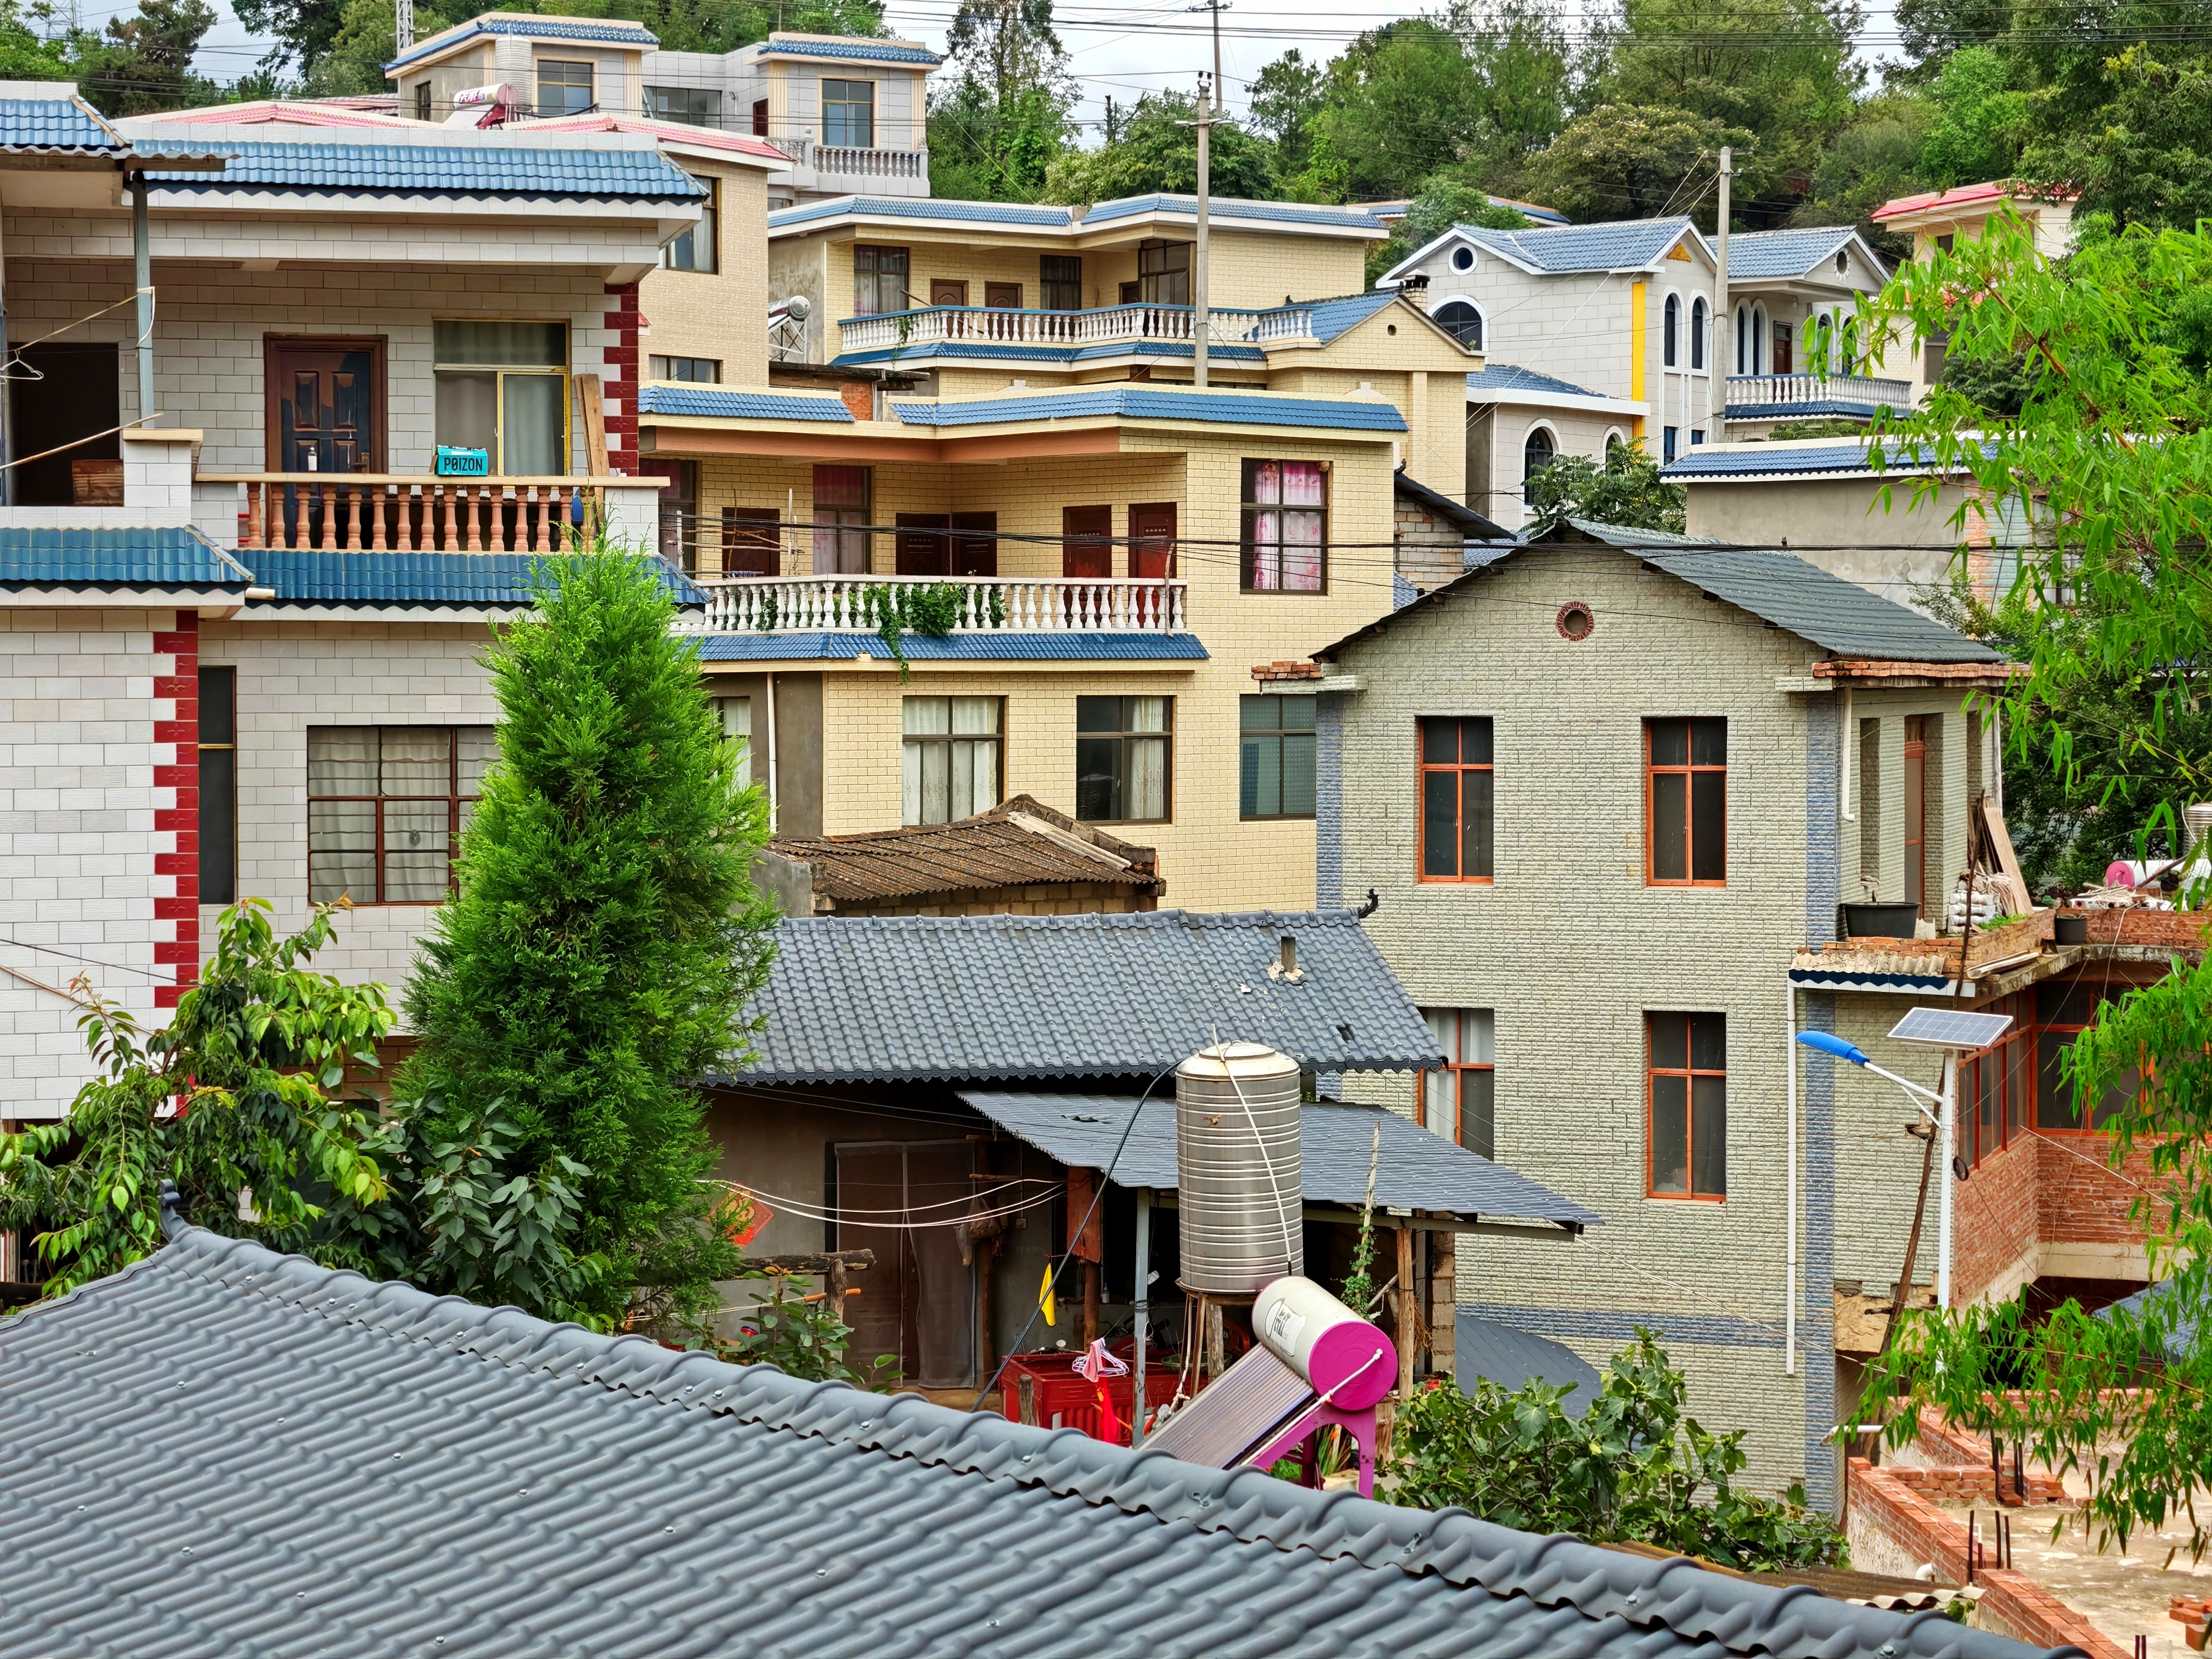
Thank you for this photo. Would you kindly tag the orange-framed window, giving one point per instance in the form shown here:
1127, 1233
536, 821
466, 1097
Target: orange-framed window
1915, 813
1457, 797
1686, 1093
1996, 1086
1460, 1101
1686, 802
2063, 1010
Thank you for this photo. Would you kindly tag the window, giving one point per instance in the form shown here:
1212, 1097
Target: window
879, 280
1285, 526
1670, 332
503, 388
1464, 322
698, 248
563, 89
1456, 799
1462, 258
1163, 272
1687, 796
1538, 452
1275, 770
1996, 1087
421, 100
707, 369
1785, 341
1460, 1101
694, 106
737, 725
1697, 332
1915, 813
840, 508
387, 806
218, 785
752, 544
760, 117
680, 510
1667, 442
1946, 241
1687, 1059
2063, 1009
949, 765
1123, 759
849, 114
1059, 281
1696, 437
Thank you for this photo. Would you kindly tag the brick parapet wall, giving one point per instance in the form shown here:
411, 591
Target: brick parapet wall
2044, 1189
1893, 1529
177, 807
623, 373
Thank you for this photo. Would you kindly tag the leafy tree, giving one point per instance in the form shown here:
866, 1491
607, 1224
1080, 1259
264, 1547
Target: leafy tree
1286, 96
1874, 158
1979, 121
1155, 151
1405, 99
233, 1101
1632, 1467
1003, 119
24, 55
593, 968
1625, 489
1445, 201
2147, 160
1624, 162
144, 63
2107, 465
353, 63
1931, 30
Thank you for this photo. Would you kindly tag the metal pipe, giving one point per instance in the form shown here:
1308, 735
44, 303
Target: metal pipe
771, 752
1723, 320
1789, 1202
1844, 742
1143, 1312
1949, 1131
141, 254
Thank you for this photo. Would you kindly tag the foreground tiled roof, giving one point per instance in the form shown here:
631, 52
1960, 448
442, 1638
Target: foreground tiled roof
1016, 844
980, 998
1415, 1169
701, 401
1623, 245
173, 558
411, 580
368, 169
30, 126
1158, 403
956, 647
224, 1450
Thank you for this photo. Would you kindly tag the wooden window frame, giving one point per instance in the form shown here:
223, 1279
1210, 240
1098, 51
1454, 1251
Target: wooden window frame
1250, 508
1689, 1074
1688, 771
213, 801
1422, 766
454, 798
1054, 275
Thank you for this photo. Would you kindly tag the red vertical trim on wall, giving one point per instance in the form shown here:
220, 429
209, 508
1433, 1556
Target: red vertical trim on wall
621, 379
177, 828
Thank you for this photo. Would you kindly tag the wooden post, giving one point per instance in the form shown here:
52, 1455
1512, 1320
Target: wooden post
1406, 1312
1089, 1303
1025, 1392
595, 423
1443, 1303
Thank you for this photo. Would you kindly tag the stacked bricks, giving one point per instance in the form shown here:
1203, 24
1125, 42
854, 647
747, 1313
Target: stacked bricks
177, 823
1953, 1486
622, 379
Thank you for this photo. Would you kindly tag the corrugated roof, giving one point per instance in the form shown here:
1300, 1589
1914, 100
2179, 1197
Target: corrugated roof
373, 169
706, 401
1013, 845
975, 999
897, 206
178, 556
466, 580
1789, 460
870, 51
957, 647
1510, 377
277, 1459
610, 31
1158, 403
1623, 245
1511, 1358
60, 122
1231, 207
1773, 253
1416, 1170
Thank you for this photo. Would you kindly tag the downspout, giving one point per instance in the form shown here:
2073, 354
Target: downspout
1143, 1310
142, 269
772, 780
1790, 1201
1846, 745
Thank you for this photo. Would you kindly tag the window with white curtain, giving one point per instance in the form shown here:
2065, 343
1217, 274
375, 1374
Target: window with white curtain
1122, 759
951, 757
737, 724
1460, 1101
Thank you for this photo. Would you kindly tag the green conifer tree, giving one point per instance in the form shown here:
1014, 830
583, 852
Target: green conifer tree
596, 963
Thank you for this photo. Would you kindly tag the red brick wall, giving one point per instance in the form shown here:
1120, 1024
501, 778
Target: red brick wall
621, 381
859, 397
1974, 1486
1996, 1219
2045, 1188
177, 917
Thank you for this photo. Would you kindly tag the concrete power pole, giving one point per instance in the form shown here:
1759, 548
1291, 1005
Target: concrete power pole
1201, 323
1216, 7
1723, 319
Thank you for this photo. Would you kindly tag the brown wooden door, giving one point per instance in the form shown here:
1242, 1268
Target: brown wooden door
976, 552
1915, 813
871, 1183
1152, 539
921, 547
944, 292
1785, 348
917, 1302
325, 401
751, 546
1086, 546
1003, 296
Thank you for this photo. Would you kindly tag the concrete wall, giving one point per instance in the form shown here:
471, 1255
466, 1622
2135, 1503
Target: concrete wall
1842, 525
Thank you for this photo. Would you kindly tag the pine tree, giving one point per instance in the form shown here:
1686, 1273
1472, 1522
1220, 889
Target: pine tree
596, 962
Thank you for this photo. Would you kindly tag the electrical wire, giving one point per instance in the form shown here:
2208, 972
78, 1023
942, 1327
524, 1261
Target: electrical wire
92, 961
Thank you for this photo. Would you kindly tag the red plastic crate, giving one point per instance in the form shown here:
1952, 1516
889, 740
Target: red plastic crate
1066, 1401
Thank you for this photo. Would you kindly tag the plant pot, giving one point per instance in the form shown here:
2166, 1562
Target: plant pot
2070, 930
1880, 920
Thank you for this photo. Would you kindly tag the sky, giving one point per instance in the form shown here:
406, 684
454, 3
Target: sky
1117, 51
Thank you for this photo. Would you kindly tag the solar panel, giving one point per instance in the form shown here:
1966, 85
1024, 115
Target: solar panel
1940, 1028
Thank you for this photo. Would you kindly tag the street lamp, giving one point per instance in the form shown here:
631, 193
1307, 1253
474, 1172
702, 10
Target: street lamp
1954, 1034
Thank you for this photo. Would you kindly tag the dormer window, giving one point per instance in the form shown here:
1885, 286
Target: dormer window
563, 89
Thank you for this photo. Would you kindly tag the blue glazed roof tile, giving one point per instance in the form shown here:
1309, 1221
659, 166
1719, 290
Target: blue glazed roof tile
894, 207
439, 580
1623, 245
871, 52
957, 647
1787, 460
1226, 207
711, 402
1510, 377
1159, 404
55, 124
608, 32
248, 1433
1332, 317
373, 169
1774, 254
174, 557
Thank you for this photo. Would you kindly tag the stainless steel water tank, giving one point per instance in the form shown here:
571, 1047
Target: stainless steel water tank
1238, 1178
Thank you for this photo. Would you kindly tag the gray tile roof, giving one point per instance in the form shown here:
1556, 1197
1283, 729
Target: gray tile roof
1416, 1170
975, 999
1772, 253
222, 1451
1484, 1348
1623, 245
1511, 377
1786, 460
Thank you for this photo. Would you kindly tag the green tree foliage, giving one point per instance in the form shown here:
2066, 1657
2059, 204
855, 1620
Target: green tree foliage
233, 1101
1625, 490
144, 62
1001, 120
1979, 121
1157, 150
2147, 159
1286, 96
1874, 158
1444, 202
605, 938
24, 55
2107, 465
1633, 1467
1629, 161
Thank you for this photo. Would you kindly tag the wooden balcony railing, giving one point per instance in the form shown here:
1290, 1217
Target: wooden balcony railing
988, 604
376, 512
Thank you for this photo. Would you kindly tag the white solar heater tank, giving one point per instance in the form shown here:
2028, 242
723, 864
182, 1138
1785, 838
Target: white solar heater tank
1240, 1203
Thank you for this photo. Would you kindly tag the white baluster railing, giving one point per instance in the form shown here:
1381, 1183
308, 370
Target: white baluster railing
935, 325
1750, 391
988, 604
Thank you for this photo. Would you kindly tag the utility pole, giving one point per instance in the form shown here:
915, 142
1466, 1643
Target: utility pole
1110, 117
1201, 323
1723, 318
1216, 7
405, 10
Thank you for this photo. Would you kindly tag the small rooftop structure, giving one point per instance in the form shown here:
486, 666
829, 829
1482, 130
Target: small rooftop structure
276, 1457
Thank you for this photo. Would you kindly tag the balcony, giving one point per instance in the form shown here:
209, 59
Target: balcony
377, 512
1760, 396
1071, 329
987, 605
829, 162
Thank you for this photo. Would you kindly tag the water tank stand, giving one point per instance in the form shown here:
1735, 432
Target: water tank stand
1304, 1436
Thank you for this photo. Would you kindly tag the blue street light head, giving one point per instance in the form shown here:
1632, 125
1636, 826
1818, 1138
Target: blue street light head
1828, 1043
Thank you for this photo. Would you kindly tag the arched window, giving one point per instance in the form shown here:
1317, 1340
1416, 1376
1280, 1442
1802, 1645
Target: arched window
1464, 321
1759, 339
1537, 453
1847, 359
1742, 340
1670, 349
1697, 332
